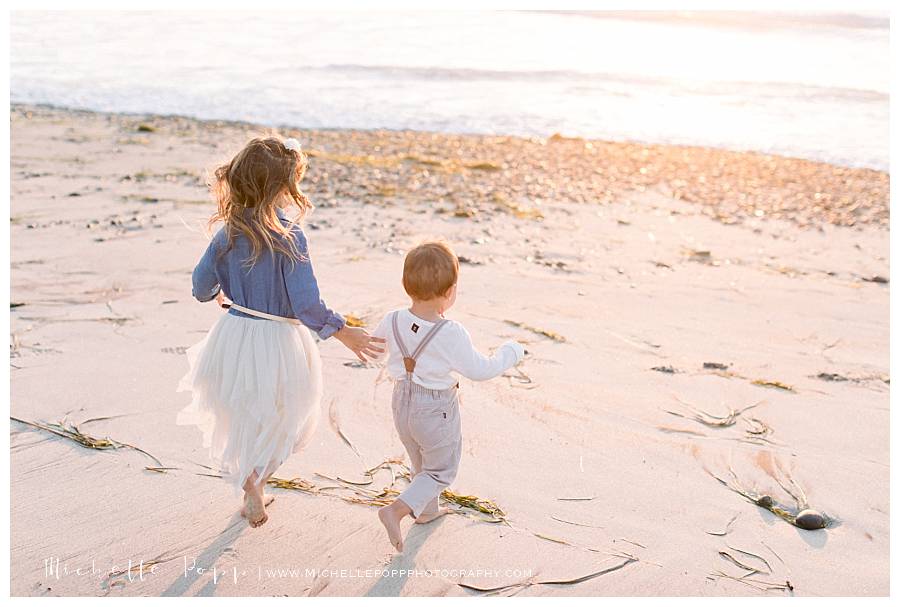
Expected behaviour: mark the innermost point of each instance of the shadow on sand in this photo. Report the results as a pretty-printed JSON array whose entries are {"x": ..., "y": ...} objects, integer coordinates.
[
  {"x": 207, "y": 559},
  {"x": 392, "y": 585}
]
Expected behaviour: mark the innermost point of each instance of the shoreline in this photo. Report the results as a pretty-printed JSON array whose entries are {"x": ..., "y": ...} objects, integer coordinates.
[
  {"x": 730, "y": 186},
  {"x": 534, "y": 138}
]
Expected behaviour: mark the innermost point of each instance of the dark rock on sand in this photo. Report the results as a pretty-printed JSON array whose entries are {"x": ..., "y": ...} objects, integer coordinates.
[{"x": 810, "y": 519}]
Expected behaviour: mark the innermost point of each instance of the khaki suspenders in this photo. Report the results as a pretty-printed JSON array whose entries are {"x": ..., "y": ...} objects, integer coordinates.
[{"x": 409, "y": 362}]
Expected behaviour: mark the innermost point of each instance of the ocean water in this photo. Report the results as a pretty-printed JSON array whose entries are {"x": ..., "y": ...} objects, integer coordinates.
[{"x": 808, "y": 85}]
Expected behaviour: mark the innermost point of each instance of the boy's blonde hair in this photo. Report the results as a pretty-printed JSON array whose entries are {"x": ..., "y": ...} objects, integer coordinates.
[{"x": 429, "y": 270}]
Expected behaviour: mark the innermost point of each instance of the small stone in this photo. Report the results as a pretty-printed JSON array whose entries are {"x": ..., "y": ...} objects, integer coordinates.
[
  {"x": 810, "y": 519},
  {"x": 713, "y": 365},
  {"x": 764, "y": 500},
  {"x": 469, "y": 260},
  {"x": 665, "y": 369},
  {"x": 832, "y": 377}
]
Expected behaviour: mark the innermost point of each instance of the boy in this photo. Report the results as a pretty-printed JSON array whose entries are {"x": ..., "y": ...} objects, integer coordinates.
[{"x": 423, "y": 350}]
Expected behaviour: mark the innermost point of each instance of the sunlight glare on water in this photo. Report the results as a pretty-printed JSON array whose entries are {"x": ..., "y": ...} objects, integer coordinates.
[{"x": 810, "y": 87}]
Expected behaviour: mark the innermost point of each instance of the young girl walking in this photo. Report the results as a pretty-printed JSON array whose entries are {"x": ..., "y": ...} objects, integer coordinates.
[{"x": 255, "y": 377}]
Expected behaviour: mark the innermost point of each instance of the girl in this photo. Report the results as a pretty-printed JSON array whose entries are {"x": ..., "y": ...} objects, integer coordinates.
[{"x": 256, "y": 376}]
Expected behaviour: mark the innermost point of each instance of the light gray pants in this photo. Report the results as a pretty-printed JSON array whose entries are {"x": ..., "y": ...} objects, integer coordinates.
[{"x": 428, "y": 425}]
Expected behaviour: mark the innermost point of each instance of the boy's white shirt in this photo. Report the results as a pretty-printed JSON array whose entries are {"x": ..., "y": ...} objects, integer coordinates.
[{"x": 450, "y": 351}]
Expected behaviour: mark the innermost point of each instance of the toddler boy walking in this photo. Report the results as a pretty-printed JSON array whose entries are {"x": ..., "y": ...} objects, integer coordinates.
[{"x": 424, "y": 351}]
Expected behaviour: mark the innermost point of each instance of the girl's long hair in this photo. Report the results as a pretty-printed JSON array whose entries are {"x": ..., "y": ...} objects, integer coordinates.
[{"x": 256, "y": 178}]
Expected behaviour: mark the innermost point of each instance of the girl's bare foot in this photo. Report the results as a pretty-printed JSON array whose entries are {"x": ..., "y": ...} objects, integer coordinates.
[
  {"x": 268, "y": 499},
  {"x": 427, "y": 517},
  {"x": 390, "y": 516},
  {"x": 256, "y": 508}
]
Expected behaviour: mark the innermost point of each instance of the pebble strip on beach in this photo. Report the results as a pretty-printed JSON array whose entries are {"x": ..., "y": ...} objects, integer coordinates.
[{"x": 471, "y": 174}]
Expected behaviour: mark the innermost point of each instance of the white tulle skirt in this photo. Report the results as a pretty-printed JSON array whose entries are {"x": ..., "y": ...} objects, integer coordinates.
[{"x": 257, "y": 392}]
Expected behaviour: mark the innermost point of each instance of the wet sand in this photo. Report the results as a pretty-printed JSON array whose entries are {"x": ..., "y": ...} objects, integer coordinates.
[{"x": 648, "y": 283}]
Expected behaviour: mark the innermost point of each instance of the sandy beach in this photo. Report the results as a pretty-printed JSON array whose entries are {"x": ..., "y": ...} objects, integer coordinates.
[{"x": 689, "y": 314}]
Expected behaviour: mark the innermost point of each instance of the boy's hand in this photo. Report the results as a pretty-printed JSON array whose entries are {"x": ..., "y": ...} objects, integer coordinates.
[{"x": 360, "y": 342}]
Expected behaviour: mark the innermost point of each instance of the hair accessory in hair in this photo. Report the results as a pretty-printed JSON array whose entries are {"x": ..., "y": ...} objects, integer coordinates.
[{"x": 292, "y": 144}]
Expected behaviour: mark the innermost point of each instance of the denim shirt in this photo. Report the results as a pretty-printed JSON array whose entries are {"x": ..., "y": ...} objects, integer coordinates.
[{"x": 271, "y": 285}]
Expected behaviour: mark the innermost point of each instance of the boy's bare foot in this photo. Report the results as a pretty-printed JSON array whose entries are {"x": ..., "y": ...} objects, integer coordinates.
[
  {"x": 268, "y": 500},
  {"x": 427, "y": 517},
  {"x": 390, "y": 516},
  {"x": 256, "y": 509}
]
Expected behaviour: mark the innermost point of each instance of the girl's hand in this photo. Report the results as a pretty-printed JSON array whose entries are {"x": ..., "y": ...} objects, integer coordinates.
[
  {"x": 220, "y": 299},
  {"x": 360, "y": 342}
]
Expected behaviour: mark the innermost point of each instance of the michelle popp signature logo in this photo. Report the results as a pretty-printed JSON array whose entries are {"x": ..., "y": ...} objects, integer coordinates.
[
  {"x": 136, "y": 571},
  {"x": 54, "y": 568}
]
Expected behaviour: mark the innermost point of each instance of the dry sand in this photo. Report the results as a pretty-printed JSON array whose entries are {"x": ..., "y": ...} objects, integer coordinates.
[{"x": 106, "y": 226}]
